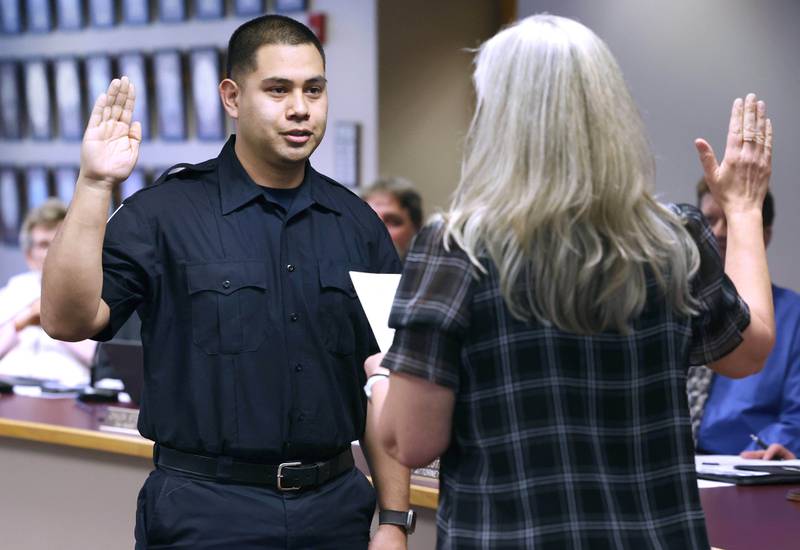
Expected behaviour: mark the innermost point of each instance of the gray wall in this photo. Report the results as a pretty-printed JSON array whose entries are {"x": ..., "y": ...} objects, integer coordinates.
[{"x": 685, "y": 61}]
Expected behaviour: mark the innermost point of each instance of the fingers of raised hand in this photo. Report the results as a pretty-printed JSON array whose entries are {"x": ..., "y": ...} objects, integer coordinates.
[
  {"x": 749, "y": 128},
  {"x": 735, "y": 125},
  {"x": 97, "y": 111},
  {"x": 127, "y": 109},
  {"x": 768, "y": 140}
]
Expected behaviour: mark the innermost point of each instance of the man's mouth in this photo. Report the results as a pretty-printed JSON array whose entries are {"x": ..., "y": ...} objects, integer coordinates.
[{"x": 298, "y": 137}]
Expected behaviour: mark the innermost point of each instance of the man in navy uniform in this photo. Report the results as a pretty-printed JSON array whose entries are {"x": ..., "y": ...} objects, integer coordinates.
[{"x": 253, "y": 337}]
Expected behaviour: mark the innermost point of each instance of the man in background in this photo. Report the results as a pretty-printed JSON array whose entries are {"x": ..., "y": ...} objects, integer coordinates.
[
  {"x": 25, "y": 349},
  {"x": 725, "y": 412},
  {"x": 399, "y": 206}
]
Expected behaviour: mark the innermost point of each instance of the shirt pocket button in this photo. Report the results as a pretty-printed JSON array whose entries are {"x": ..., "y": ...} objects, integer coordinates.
[{"x": 226, "y": 284}]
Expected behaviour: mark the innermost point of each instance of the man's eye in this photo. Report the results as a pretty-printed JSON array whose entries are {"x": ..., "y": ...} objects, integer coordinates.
[
  {"x": 277, "y": 90},
  {"x": 314, "y": 90}
]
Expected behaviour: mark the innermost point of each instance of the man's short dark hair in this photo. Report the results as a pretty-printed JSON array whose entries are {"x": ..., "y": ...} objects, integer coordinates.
[
  {"x": 261, "y": 31},
  {"x": 405, "y": 194},
  {"x": 767, "y": 210}
]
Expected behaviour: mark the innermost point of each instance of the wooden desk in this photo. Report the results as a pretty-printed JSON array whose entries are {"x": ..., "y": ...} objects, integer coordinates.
[
  {"x": 738, "y": 518},
  {"x": 65, "y": 484},
  {"x": 752, "y": 518}
]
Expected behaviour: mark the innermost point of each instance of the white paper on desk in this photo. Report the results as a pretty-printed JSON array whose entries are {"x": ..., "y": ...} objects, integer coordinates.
[
  {"x": 726, "y": 465},
  {"x": 376, "y": 292}
]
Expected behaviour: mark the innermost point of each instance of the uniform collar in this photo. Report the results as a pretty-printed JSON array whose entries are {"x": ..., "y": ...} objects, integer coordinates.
[{"x": 237, "y": 188}]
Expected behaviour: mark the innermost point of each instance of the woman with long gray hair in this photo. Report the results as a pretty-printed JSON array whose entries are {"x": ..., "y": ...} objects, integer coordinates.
[{"x": 546, "y": 321}]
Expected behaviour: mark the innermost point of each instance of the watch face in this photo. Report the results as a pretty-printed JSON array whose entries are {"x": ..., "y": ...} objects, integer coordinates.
[{"x": 411, "y": 522}]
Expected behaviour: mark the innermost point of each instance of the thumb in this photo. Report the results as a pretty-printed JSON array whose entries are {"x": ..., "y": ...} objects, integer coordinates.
[{"x": 707, "y": 158}]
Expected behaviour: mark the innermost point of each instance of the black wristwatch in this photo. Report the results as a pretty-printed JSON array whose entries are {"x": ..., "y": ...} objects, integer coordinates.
[{"x": 405, "y": 520}]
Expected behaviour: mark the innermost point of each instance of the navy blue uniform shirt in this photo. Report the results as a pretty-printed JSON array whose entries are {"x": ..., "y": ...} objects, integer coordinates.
[{"x": 254, "y": 340}]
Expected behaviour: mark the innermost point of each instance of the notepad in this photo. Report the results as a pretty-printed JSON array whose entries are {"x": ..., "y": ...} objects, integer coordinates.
[{"x": 741, "y": 471}]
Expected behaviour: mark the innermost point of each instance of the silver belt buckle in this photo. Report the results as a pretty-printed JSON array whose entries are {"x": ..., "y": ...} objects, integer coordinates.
[{"x": 280, "y": 476}]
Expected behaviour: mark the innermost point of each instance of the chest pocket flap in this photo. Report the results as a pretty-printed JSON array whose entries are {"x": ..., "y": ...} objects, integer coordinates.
[{"x": 229, "y": 305}]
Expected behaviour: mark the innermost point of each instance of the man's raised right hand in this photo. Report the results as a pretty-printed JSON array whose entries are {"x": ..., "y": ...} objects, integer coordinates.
[{"x": 111, "y": 142}]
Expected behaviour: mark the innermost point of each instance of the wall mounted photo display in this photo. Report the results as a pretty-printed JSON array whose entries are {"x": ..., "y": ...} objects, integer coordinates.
[
  {"x": 209, "y": 9},
  {"x": 290, "y": 6},
  {"x": 204, "y": 68},
  {"x": 70, "y": 14},
  {"x": 37, "y": 186},
  {"x": 10, "y": 218},
  {"x": 172, "y": 11},
  {"x": 132, "y": 65},
  {"x": 169, "y": 95},
  {"x": 347, "y": 153},
  {"x": 134, "y": 183},
  {"x": 65, "y": 178},
  {"x": 98, "y": 77},
  {"x": 102, "y": 13},
  {"x": 10, "y": 16},
  {"x": 10, "y": 104},
  {"x": 135, "y": 12},
  {"x": 68, "y": 98},
  {"x": 40, "y": 19},
  {"x": 249, "y": 7},
  {"x": 37, "y": 99}
]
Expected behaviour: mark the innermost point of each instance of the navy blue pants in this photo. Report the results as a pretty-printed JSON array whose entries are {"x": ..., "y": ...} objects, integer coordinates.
[{"x": 178, "y": 511}]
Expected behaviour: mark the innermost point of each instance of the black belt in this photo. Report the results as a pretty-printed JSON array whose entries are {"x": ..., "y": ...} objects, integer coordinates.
[{"x": 288, "y": 476}]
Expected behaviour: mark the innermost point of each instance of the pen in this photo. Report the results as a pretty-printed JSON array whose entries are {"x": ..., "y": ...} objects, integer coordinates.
[{"x": 758, "y": 441}]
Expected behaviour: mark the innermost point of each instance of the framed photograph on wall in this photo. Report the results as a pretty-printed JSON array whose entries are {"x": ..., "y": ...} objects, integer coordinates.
[
  {"x": 167, "y": 69},
  {"x": 98, "y": 77},
  {"x": 70, "y": 14},
  {"x": 10, "y": 205},
  {"x": 249, "y": 7},
  {"x": 135, "y": 12},
  {"x": 64, "y": 178},
  {"x": 68, "y": 98},
  {"x": 290, "y": 6},
  {"x": 134, "y": 183},
  {"x": 204, "y": 67},
  {"x": 133, "y": 65},
  {"x": 10, "y": 16},
  {"x": 347, "y": 153},
  {"x": 37, "y": 186},
  {"x": 37, "y": 99},
  {"x": 172, "y": 11},
  {"x": 40, "y": 19},
  {"x": 209, "y": 9},
  {"x": 10, "y": 104},
  {"x": 102, "y": 13}
]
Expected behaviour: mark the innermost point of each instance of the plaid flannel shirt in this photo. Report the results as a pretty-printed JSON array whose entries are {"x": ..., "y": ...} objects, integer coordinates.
[{"x": 562, "y": 440}]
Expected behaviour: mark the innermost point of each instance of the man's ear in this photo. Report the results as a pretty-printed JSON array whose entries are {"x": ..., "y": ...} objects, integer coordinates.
[{"x": 229, "y": 92}]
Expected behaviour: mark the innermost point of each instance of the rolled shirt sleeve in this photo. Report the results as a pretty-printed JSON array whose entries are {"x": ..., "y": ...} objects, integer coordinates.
[{"x": 431, "y": 310}]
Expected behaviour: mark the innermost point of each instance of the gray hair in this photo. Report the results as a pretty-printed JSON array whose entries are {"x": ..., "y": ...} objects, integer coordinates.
[
  {"x": 51, "y": 213},
  {"x": 556, "y": 184},
  {"x": 403, "y": 191}
]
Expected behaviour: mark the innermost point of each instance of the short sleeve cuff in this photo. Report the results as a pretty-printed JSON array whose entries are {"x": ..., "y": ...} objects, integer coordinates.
[{"x": 426, "y": 353}]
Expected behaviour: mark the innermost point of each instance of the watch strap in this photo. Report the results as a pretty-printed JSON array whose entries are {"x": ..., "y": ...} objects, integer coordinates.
[{"x": 406, "y": 520}]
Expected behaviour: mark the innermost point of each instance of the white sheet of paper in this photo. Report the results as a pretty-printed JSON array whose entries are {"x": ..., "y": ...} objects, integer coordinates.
[{"x": 376, "y": 292}]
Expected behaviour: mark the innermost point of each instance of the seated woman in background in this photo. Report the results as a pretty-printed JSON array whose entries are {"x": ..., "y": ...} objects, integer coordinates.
[
  {"x": 546, "y": 322},
  {"x": 25, "y": 349}
]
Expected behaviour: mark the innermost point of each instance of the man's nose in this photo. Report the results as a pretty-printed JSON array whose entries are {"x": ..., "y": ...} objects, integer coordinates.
[{"x": 298, "y": 109}]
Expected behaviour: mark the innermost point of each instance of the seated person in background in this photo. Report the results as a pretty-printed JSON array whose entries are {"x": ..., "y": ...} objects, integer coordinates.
[
  {"x": 726, "y": 411},
  {"x": 25, "y": 349},
  {"x": 399, "y": 206}
]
